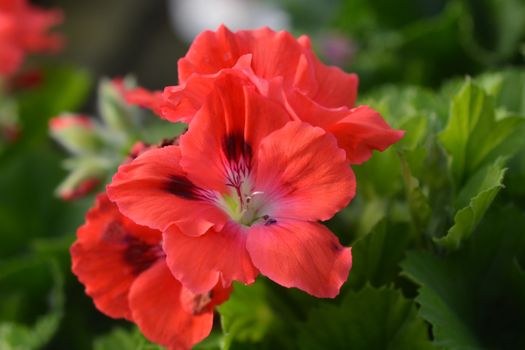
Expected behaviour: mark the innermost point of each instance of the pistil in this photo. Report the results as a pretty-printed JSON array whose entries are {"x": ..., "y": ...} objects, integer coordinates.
[{"x": 242, "y": 204}]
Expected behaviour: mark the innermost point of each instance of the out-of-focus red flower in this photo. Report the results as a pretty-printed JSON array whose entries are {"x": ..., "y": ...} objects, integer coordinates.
[
  {"x": 123, "y": 267},
  {"x": 28, "y": 79},
  {"x": 24, "y": 28},
  {"x": 245, "y": 187},
  {"x": 61, "y": 122},
  {"x": 76, "y": 133},
  {"x": 82, "y": 189},
  {"x": 137, "y": 149},
  {"x": 10, "y": 133},
  {"x": 286, "y": 70}
]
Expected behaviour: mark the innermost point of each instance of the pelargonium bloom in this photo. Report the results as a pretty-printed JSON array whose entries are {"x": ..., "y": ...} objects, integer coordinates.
[
  {"x": 25, "y": 29},
  {"x": 243, "y": 193},
  {"x": 123, "y": 268},
  {"x": 286, "y": 70}
]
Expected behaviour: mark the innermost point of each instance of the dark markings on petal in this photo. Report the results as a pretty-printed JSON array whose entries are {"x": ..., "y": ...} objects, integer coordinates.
[
  {"x": 200, "y": 303},
  {"x": 270, "y": 221},
  {"x": 140, "y": 255},
  {"x": 182, "y": 187},
  {"x": 235, "y": 147},
  {"x": 114, "y": 232},
  {"x": 336, "y": 247}
]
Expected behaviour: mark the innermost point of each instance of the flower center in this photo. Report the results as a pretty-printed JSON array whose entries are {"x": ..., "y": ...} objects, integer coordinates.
[{"x": 242, "y": 203}]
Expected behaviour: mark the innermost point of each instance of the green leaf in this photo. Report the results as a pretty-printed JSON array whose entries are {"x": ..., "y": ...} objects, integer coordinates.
[
  {"x": 117, "y": 339},
  {"x": 443, "y": 302},
  {"x": 15, "y": 335},
  {"x": 254, "y": 315},
  {"x": 157, "y": 129},
  {"x": 420, "y": 210},
  {"x": 215, "y": 341},
  {"x": 493, "y": 29},
  {"x": 399, "y": 104},
  {"x": 474, "y": 200},
  {"x": 28, "y": 208},
  {"x": 63, "y": 90},
  {"x": 377, "y": 255},
  {"x": 473, "y": 136},
  {"x": 475, "y": 297},
  {"x": 508, "y": 89},
  {"x": 116, "y": 113},
  {"x": 123, "y": 339},
  {"x": 368, "y": 319}
]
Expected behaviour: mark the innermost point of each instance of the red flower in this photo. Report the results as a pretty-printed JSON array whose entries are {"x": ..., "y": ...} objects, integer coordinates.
[
  {"x": 82, "y": 189},
  {"x": 123, "y": 268},
  {"x": 24, "y": 29},
  {"x": 286, "y": 70},
  {"x": 243, "y": 193}
]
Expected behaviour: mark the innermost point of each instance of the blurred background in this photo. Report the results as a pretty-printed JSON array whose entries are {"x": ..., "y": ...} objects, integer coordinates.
[
  {"x": 405, "y": 42},
  {"x": 412, "y": 41}
]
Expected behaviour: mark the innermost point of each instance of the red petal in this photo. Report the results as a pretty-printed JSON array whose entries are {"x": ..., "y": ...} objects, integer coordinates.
[
  {"x": 335, "y": 88},
  {"x": 199, "y": 262},
  {"x": 363, "y": 131},
  {"x": 11, "y": 57},
  {"x": 152, "y": 100},
  {"x": 110, "y": 245},
  {"x": 299, "y": 254},
  {"x": 305, "y": 178},
  {"x": 156, "y": 307},
  {"x": 184, "y": 100},
  {"x": 154, "y": 191},
  {"x": 209, "y": 53},
  {"x": 231, "y": 124},
  {"x": 274, "y": 54},
  {"x": 358, "y": 131}
]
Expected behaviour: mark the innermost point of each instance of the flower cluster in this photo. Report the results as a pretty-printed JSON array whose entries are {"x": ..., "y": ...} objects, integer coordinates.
[
  {"x": 24, "y": 29},
  {"x": 266, "y": 158}
]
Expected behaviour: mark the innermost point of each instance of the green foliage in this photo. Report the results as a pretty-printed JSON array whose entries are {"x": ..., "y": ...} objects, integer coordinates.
[
  {"x": 122, "y": 339},
  {"x": 377, "y": 255},
  {"x": 14, "y": 333},
  {"x": 480, "y": 192},
  {"x": 29, "y": 169},
  {"x": 429, "y": 41},
  {"x": 368, "y": 319},
  {"x": 474, "y": 298},
  {"x": 63, "y": 89},
  {"x": 253, "y": 316},
  {"x": 473, "y": 136}
]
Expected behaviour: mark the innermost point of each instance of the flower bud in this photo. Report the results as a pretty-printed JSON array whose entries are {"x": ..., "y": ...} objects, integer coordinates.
[
  {"x": 78, "y": 134},
  {"x": 114, "y": 110},
  {"x": 86, "y": 175}
]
